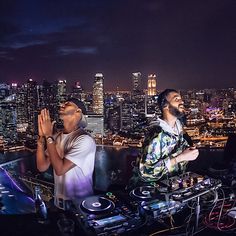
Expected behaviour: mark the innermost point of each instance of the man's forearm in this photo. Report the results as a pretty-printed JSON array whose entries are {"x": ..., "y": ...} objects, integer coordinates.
[
  {"x": 56, "y": 161},
  {"x": 176, "y": 160},
  {"x": 41, "y": 160},
  {"x": 59, "y": 164}
]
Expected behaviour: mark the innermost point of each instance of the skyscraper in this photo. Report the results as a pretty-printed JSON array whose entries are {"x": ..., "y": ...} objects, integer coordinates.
[
  {"x": 4, "y": 90},
  {"x": 61, "y": 91},
  {"x": 77, "y": 91},
  {"x": 31, "y": 105},
  {"x": 7, "y": 114},
  {"x": 136, "y": 80},
  {"x": 21, "y": 100},
  {"x": 98, "y": 94},
  {"x": 8, "y": 118},
  {"x": 152, "y": 85}
]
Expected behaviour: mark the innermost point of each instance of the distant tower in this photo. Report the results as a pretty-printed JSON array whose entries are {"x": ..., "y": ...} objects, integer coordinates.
[
  {"x": 152, "y": 85},
  {"x": 98, "y": 107},
  {"x": 77, "y": 91},
  {"x": 61, "y": 91},
  {"x": 136, "y": 79},
  {"x": 31, "y": 105},
  {"x": 4, "y": 90},
  {"x": 8, "y": 121},
  {"x": 21, "y": 107}
]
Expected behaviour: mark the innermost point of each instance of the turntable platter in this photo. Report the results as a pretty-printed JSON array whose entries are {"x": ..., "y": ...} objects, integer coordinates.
[
  {"x": 97, "y": 204},
  {"x": 144, "y": 193}
]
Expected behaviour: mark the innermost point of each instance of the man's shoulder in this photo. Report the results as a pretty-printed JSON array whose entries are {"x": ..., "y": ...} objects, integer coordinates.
[
  {"x": 154, "y": 131},
  {"x": 85, "y": 138},
  {"x": 84, "y": 143}
]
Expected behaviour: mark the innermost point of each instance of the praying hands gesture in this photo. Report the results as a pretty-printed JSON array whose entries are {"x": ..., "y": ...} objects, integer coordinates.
[{"x": 45, "y": 125}]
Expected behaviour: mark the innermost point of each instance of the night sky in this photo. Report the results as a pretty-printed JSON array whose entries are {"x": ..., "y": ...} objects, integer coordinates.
[{"x": 187, "y": 43}]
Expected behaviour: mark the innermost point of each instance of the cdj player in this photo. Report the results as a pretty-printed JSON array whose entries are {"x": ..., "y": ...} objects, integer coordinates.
[
  {"x": 106, "y": 215},
  {"x": 152, "y": 203}
]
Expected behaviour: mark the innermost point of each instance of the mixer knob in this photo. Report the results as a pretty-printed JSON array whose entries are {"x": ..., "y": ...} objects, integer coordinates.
[
  {"x": 189, "y": 181},
  {"x": 181, "y": 185},
  {"x": 195, "y": 180},
  {"x": 170, "y": 185}
]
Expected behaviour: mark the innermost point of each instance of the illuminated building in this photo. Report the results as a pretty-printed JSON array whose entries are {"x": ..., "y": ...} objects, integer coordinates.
[
  {"x": 61, "y": 91},
  {"x": 13, "y": 88},
  {"x": 136, "y": 80},
  {"x": 151, "y": 106},
  {"x": 8, "y": 117},
  {"x": 114, "y": 119},
  {"x": 77, "y": 92},
  {"x": 98, "y": 95},
  {"x": 88, "y": 101},
  {"x": 95, "y": 125},
  {"x": 31, "y": 106},
  {"x": 47, "y": 98},
  {"x": 21, "y": 108},
  {"x": 127, "y": 115},
  {"x": 4, "y": 91},
  {"x": 152, "y": 85}
]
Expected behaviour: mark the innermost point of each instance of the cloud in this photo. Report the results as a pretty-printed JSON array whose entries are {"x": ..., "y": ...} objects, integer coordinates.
[
  {"x": 18, "y": 45},
  {"x": 63, "y": 51},
  {"x": 4, "y": 55}
]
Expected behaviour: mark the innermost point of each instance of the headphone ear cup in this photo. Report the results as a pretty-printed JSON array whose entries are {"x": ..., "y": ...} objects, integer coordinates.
[
  {"x": 164, "y": 103},
  {"x": 83, "y": 122}
]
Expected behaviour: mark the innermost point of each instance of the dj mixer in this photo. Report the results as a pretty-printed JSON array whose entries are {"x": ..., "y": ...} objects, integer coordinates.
[
  {"x": 118, "y": 213},
  {"x": 189, "y": 186}
]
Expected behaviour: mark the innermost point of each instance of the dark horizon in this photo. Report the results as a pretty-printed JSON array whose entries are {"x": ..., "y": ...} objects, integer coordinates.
[{"x": 188, "y": 44}]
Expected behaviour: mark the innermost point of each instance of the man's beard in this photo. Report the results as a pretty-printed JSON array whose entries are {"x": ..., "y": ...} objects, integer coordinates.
[{"x": 176, "y": 112}]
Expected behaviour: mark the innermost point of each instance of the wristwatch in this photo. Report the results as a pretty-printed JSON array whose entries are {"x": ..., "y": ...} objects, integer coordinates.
[{"x": 50, "y": 139}]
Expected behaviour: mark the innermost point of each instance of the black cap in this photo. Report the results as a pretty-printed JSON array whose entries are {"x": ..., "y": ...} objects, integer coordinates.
[{"x": 79, "y": 104}]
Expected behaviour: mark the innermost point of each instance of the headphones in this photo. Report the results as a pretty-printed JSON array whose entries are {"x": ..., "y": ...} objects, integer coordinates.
[{"x": 162, "y": 101}]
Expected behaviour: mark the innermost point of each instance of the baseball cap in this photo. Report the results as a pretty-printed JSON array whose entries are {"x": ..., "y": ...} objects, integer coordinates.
[{"x": 83, "y": 122}]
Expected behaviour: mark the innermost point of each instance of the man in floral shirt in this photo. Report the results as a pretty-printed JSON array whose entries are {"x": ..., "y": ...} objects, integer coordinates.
[{"x": 165, "y": 151}]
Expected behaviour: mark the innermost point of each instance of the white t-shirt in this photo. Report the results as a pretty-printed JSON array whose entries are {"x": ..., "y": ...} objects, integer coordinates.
[{"x": 78, "y": 181}]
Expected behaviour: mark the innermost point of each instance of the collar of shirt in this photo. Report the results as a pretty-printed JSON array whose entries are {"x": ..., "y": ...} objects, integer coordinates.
[{"x": 176, "y": 130}]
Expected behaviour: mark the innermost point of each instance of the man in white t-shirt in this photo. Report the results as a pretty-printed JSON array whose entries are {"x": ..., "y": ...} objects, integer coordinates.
[{"x": 71, "y": 152}]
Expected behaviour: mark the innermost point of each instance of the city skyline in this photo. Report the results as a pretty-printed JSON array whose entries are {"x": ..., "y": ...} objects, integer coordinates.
[{"x": 188, "y": 44}]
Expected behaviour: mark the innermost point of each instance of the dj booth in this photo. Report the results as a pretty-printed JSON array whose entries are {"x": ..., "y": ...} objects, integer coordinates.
[
  {"x": 146, "y": 207},
  {"x": 194, "y": 203}
]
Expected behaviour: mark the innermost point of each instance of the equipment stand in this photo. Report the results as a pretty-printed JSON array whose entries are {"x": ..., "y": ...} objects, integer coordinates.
[{"x": 197, "y": 212}]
